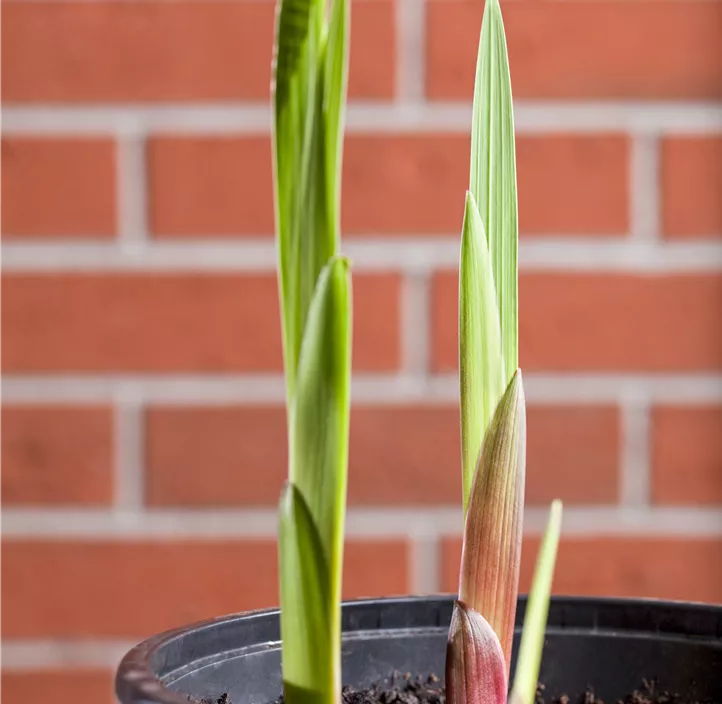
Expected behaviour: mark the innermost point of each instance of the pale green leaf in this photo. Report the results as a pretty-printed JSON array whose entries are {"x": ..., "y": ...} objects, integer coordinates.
[
  {"x": 481, "y": 365},
  {"x": 334, "y": 101},
  {"x": 493, "y": 172},
  {"x": 532, "y": 637},
  {"x": 491, "y": 550},
  {"x": 304, "y": 238},
  {"x": 475, "y": 667},
  {"x": 319, "y": 419},
  {"x": 307, "y": 642}
]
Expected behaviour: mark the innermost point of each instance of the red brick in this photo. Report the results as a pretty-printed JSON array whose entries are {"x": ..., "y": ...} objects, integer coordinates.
[
  {"x": 601, "y": 322},
  {"x": 210, "y": 185},
  {"x": 398, "y": 455},
  {"x": 405, "y": 456},
  {"x": 66, "y": 686},
  {"x": 57, "y": 455},
  {"x": 415, "y": 184},
  {"x": 572, "y": 454},
  {"x": 173, "y": 323},
  {"x": 663, "y": 568},
  {"x": 560, "y": 49},
  {"x": 573, "y": 184},
  {"x": 57, "y": 187},
  {"x": 215, "y": 456},
  {"x": 691, "y": 186},
  {"x": 158, "y": 51},
  {"x": 404, "y": 184},
  {"x": 373, "y": 49},
  {"x": 77, "y": 589},
  {"x": 687, "y": 455}
]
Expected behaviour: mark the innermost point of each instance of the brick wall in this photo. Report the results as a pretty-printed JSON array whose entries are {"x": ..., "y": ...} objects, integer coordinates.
[{"x": 144, "y": 443}]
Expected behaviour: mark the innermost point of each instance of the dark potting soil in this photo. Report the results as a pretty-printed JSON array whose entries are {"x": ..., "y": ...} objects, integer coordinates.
[
  {"x": 648, "y": 693},
  {"x": 405, "y": 689},
  {"x": 223, "y": 699}
]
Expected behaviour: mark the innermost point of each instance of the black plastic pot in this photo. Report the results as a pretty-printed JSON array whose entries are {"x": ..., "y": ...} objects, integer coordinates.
[{"x": 610, "y": 644}]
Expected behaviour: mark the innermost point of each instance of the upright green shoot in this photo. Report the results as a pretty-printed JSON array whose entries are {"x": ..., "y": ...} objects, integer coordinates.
[
  {"x": 313, "y": 504},
  {"x": 493, "y": 173},
  {"x": 481, "y": 364},
  {"x": 309, "y": 95},
  {"x": 488, "y": 307},
  {"x": 493, "y": 417}
]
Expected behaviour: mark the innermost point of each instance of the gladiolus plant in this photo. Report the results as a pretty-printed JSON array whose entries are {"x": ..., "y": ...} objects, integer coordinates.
[
  {"x": 309, "y": 93},
  {"x": 493, "y": 417}
]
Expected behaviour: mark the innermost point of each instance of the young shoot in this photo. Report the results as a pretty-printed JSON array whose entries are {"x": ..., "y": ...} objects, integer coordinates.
[
  {"x": 309, "y": 94},
  {"x": 476, "y": 665},
  {"x": 493, "y": 415},
  {"x": 310, "y": 69}
]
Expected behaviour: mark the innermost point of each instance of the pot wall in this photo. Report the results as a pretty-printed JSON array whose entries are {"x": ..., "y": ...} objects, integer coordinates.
[{"x": 610, "y": 644}]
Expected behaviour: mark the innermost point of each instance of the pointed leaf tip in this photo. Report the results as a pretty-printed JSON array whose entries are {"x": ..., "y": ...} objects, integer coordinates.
[
  {"x": 532, "y": 637},
  {"x": 493, "y": 172},
  {"x": 475, "y": 667},
  {"x": 491, "y": 551},
  {"x": 481, "y": 364}
]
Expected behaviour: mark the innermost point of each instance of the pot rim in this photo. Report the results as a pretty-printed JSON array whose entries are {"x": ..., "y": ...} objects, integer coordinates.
[{"x": 137, "y": 682}]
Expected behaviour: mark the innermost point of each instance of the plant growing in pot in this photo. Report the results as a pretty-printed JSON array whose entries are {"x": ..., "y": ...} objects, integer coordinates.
[
  {"x": 301, "y": 649},
  {"x": 309, "y": 96},
  {"x": 310, "y": 84}
]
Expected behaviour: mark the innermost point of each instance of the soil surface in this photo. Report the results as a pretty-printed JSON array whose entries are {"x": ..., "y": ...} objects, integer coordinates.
[
  {"x": 405, "y": 689},
  {"x": 223, "y": 699},
  {"x": 648, "y": 693},
  {"x": 401, "y": 689}
]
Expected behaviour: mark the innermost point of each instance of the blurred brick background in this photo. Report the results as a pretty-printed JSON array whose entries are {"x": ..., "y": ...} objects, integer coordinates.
[{"x": 143, "y": 420}]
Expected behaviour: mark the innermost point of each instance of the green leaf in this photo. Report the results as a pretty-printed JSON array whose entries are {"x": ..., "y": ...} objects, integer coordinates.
[
  {"x": 319, "y": 425},
  {"x": 307, "y": 641},
  {"x": 334, "y": 100},
  {"x": 491, "y": 550},
  {"x": 493, "y": 171},
  {"x": 532, "y": 637},
  {"x": 314, "y": 502},
  {"x": 320, "y": 410},
  {"x": 475, "y": 667},
  {"x": 309, "y": 93},
  {"x": 481, "y": 365},
  {"x": 305, "y": 238}
]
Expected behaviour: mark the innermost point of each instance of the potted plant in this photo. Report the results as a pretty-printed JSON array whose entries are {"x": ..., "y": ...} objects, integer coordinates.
[{"x": 464, "y": 647}]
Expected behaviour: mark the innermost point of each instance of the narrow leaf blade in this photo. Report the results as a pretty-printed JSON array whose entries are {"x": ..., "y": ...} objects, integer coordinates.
[
  {"x": 306, "y": 639},
  {"x": 475, "y": 667},
  {"x": 319, "y": 420},
  {"x": 318, "y": 457},
  {"x": 491, "y": 551},
  {"x": 493, "y": 171},
  {"x": 334, "y": 101},
  {"x": 304, "y": 239},
  {"x": 532, "y": 637},
  {"x": 481, "y": 364}
]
